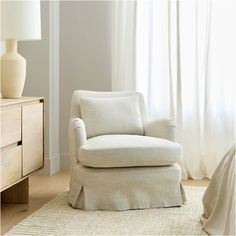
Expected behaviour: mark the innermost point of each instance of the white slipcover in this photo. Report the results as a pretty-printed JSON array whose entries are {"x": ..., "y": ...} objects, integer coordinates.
[
  {"x": 126, "y": 188},
  {"x": 119, "y": 115},
  {"x": 122, "y": 188},
  {"x": 129, "y": 150}
]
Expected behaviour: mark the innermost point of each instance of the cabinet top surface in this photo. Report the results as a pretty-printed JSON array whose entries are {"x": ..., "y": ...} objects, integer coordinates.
[{"x": 12, "y": 101}]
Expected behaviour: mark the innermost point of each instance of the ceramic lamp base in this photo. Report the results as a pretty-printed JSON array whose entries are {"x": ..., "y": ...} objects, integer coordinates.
[{"x": 13, "y": 71}]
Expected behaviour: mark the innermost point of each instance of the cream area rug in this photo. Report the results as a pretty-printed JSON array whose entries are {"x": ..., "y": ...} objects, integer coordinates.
[{"x": 58, "y": 218}]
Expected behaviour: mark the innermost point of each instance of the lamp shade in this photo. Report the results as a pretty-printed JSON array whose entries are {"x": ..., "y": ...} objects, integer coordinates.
[{"x": 20, "y": 20}]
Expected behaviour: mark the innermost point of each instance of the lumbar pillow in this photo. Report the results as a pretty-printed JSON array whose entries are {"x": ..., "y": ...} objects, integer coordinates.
[{"x": 119, "y": 115}]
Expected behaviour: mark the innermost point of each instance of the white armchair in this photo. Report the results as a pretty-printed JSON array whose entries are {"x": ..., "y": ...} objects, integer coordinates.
[
  {"x": 160, "y": 128},
  {"x": 119, "y": 159}
]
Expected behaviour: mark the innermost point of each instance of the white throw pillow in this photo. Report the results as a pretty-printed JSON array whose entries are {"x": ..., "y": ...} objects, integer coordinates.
[{"x": 119, "y": 115}]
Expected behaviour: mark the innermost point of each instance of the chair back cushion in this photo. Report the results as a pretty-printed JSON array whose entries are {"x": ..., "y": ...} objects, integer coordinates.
[
  {"x": 117, "y": 115},
  {"x": 109, "y": 112}
]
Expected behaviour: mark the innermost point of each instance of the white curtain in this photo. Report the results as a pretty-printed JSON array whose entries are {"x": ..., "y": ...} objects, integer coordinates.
[
  {"x": 123, "y": 45},
  {"x": 186, "y": 68}
]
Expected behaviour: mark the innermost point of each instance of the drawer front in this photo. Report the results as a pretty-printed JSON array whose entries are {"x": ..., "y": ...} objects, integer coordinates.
[
  {"x": 10, "y": 166},
  {"x": 32, "y": 137},
  {"x": 10, "y": 126}
]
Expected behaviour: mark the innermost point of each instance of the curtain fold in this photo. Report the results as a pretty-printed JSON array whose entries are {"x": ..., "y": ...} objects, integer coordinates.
[
  {"x": 183, "y": 53},
  {"x": 123, "y": 45},
  {"x": 220, "y": 84}
]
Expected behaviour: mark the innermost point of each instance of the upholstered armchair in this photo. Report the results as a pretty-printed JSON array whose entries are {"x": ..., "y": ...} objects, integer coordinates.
[{"x": 119, "y": 159}]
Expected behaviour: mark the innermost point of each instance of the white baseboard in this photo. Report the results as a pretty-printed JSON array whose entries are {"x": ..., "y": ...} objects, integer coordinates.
[{"x": 51, "y": 166}]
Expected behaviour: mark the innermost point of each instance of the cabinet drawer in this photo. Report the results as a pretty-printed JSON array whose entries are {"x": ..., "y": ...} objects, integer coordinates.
[
  {"x": 10, "y": 164},
  {"x": 32, "y": 137},
  {"x": 10, "y": 126}
]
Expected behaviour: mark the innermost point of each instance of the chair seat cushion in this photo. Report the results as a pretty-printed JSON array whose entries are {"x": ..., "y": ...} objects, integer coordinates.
[{"x": 129, "y": 151}]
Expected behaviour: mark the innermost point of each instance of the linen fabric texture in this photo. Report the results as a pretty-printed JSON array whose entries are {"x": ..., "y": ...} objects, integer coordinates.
[
  {"x": 219, "y": 199},
  {"x": 126, "y": 188},
  {"x": 128, "y": 151},
  {"x": 124, "y": 170},
  {"x": 119, "y": 115}
]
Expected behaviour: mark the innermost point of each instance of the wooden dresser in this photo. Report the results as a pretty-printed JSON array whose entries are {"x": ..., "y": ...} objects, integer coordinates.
[{"x": 22, "y": 145}]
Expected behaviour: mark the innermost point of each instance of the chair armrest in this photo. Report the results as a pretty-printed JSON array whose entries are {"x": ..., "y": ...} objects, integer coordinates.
[
  {"x": 160, "y": 128},
  {"x": 79, "y": 131},
  {"x": 77, "y": 138}
]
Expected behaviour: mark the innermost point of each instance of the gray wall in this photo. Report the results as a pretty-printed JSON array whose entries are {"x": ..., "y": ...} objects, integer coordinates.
[{"x": 85, "y": 55}]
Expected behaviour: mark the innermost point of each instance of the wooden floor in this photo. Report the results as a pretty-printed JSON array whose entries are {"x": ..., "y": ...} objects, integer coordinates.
[{"x": 42, "y": 190}]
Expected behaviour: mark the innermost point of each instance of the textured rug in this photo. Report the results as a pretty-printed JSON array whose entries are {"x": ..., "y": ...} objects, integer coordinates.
[{"x": 58, "y": 218}]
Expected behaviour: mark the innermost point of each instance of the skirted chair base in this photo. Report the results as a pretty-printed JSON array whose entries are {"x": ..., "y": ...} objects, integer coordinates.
[{"x": 126, "y": 188}]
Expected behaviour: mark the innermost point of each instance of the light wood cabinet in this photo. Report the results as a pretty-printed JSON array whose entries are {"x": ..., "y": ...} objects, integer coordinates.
[
  {"x": 32, "y": 137},
  {"x": 22, "y": 144},
  {"x": 10, "y": 166},
  {"x": 10, "y": 126}
]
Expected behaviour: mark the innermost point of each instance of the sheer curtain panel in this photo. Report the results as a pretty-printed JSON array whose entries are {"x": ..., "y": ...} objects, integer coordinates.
[
  {"x": 123, "y": 45},
  {"x": 184, "y": 59}
]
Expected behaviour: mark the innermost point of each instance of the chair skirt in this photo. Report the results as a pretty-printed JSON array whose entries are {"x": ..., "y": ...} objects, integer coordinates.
[{"x": 126, "y": 188}]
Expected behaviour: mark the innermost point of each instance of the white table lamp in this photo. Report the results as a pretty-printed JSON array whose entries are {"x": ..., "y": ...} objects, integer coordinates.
[{"x": 20, "y": 20}]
